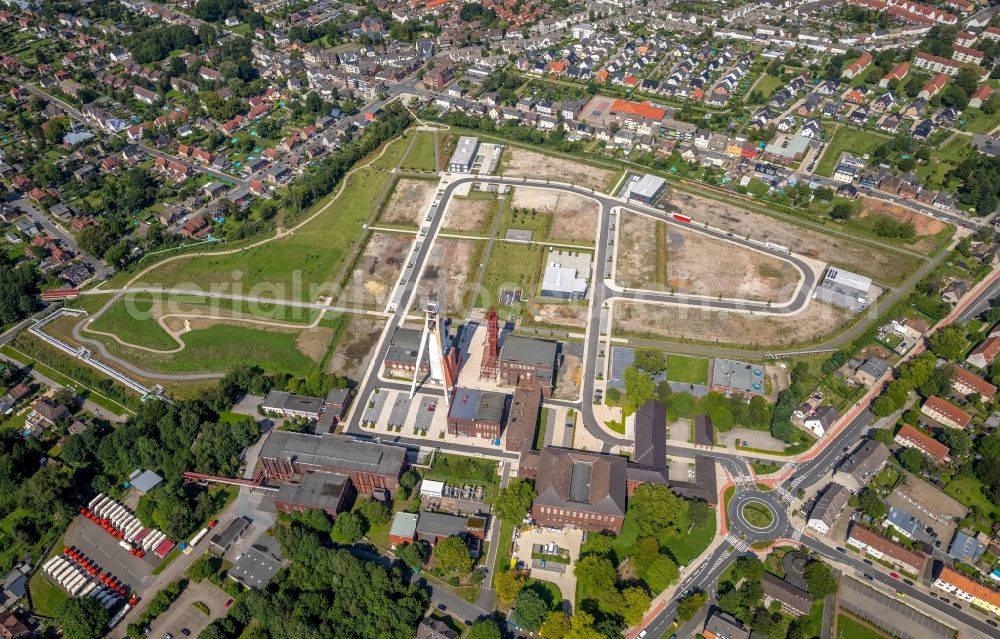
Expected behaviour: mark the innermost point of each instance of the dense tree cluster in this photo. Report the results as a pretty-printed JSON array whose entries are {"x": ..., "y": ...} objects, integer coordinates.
[
  {"x": 153, "y": 45},
  {"x": 18, "y": 286},
  {"x": 218, "y": 10}
]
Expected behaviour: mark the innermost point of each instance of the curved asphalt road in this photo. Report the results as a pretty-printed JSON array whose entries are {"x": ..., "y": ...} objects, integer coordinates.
[{"x": 600, "y": 291}]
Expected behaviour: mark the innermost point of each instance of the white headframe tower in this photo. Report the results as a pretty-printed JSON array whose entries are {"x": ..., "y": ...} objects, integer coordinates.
[{"x": 442, "y": 368}]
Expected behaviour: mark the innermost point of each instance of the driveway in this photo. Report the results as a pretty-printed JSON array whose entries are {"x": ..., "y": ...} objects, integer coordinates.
[{"x": 558, "y": 573}]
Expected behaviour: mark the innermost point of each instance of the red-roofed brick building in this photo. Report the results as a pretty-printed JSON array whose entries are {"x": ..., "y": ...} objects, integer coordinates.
[
  {"x": 968, "y": 383},
  {"x": 912, "y": 438},
  {"x": 944, "y": 412}
]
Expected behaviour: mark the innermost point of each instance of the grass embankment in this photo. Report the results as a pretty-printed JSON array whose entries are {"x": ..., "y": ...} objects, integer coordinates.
[{"x": 421, "y": 155}]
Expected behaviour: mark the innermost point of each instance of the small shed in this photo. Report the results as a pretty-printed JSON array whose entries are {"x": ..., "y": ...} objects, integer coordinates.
[
  {"x": 144, "y": 480},
  {"x": 431, "y": 488}
]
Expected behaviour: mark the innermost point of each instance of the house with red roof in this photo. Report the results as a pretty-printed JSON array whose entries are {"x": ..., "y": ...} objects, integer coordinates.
[
  {"x": 910, "y": 437},
  {"x": 946, "y": 413},
  {"x": 967, "y": 383}
]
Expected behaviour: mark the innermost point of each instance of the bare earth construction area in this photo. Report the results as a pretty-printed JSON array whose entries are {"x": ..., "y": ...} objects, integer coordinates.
[
  {"x": 698, "y": 265},
  {"x": 574, "y": 217},
  {"x": 451, "y": 266},
  {"x": 376, "y": 271},
  {"x": 658, "y": 321},
  {"x": 410, "y": 200},
  {"x": 470, "y": 213},
  {"x": 856, "y": 256},
  {"x": 518, "y": 162}
]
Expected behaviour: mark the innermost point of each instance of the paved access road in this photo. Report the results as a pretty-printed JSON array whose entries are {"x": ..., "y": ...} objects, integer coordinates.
[{"x": 601, "y": 292}]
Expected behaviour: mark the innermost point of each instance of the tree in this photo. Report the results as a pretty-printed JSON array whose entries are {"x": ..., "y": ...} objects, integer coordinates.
[
  {"x": 913, "y": 460},
  {"x": 204, "y": 567},
  {"x": 582, "y": 627},
  {"x": 557, "y": 625},
  {"x": 348, "y": 528},
  {"x": 650, "y": 361},
  {"x": 530, "y": 610},
  {"x": 639, "y": 387},
  {"x": 870, "y": 504},
  {"x": 656, "y": 510},
  {"x": 595, "y": 574},
  {"x": 508, "y": 584},
  {"x": 989, "y": 445},
  {"x": 636, "y": 604},
  {"x": 514, "y": 501},
  {"x": 883, "y": 435},
  {"x": 453, "y": 555},
  {"x": 407, "y": 482},
  {"x": 661, "y": 574},
  {"x": 820, "y": 579},
  {"x": 961, "y": 444},
  {"x": 689, "y": 606},
  {"x": 413, "y": 555},
  {"x": 82, "y": 618},
  {"x": 484, "y": 629},
  {"x": 949, "y": 343},
  {"x": 883, "y": 406}
]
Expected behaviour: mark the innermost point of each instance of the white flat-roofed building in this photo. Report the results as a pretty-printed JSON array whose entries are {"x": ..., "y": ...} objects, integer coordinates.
[
  {"x": 845, "y": 289},
  {"x": 566, "y": 275},
  {"x": 464, "y": 155},
  {"x": 648, "y": 189}
]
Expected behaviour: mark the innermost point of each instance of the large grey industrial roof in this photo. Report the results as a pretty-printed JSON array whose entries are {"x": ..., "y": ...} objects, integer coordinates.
[
  {"x": 525, "y": 350},
  {"x": 441, "y": 524},
  {"x": 316, "y": 490},
  {"x": 472, "y": 404},
  {"x": 648, "y": 185},
  {"x": 847, "y": 280},
  {"x": 258, "y": 565},
  {"x": 560, "y": 479},
  {"x": 334, "y": 451},
  {"x": 748, "y": 378},
  {"x": 281, "y": 400},
  {"x": 465, "y": 150}
]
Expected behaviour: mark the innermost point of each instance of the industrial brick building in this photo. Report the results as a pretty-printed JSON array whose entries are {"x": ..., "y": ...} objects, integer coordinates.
[
  {"x": 523, "y": 359},
  {"x": 522, "y": 419},
  {"x": 329, "y": 492},
  {"x": 581, "y": 489},
  {"x": 475, "y": 413},
  {"x": 401, "y": 358},
  {"x": 288, "y": 456}
]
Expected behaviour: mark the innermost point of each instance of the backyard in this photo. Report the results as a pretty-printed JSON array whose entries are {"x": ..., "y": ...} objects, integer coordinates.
[{"x": 854, "y": 141}]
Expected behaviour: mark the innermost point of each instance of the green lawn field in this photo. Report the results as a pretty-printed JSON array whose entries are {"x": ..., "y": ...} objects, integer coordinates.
[
  {"x": 297, "y": 267},
  {"x": 855, "y": 141},
  {"x": 978, "y": 122},
  {"x": 850, "y": 628},
  {"x": 969, "y": 491},
  {"x": 224, "y": 346},
  {"x": 131, "y": 319},
  {"x": 687, "y": 370},
  {"x": 512, "y": 265},
  {"x": 421, "y": 155}
]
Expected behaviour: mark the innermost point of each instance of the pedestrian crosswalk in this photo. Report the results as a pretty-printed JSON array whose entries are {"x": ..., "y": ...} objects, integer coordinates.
[
  {"x": 783, "y": 494},
  {"x": 796, "y": 534},
  {"x": 737, "y": 543}
]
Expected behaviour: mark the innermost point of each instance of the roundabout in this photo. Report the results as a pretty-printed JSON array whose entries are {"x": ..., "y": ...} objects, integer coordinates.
[{"x": 757, "y": 516}]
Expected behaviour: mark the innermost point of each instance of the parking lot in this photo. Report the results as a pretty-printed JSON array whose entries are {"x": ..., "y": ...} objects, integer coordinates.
[
  {"x": 102, "y": 548},
  {"x": 889, "y": 613},
  {"x": 560, "y": 574},
  {"x": 183, "y": 614}
]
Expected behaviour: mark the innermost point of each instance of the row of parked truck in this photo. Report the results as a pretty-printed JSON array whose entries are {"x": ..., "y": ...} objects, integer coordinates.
[
  {"x": 121, "y": 522},
  {"x": 78, "y": 582}
]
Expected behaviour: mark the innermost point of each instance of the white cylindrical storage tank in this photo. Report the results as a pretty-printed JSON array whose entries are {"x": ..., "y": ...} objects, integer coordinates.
[
  {"x": 111, "y": 603},
  {"x": 53, "y": 560},
  {"x": 89, "y": 588},
  {"x": 96, "y": 592},
  {"x": 96, "y": 500}
]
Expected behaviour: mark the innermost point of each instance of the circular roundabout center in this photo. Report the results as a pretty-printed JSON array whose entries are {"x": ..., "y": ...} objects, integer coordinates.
[{"x": 757, "y": 514}]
